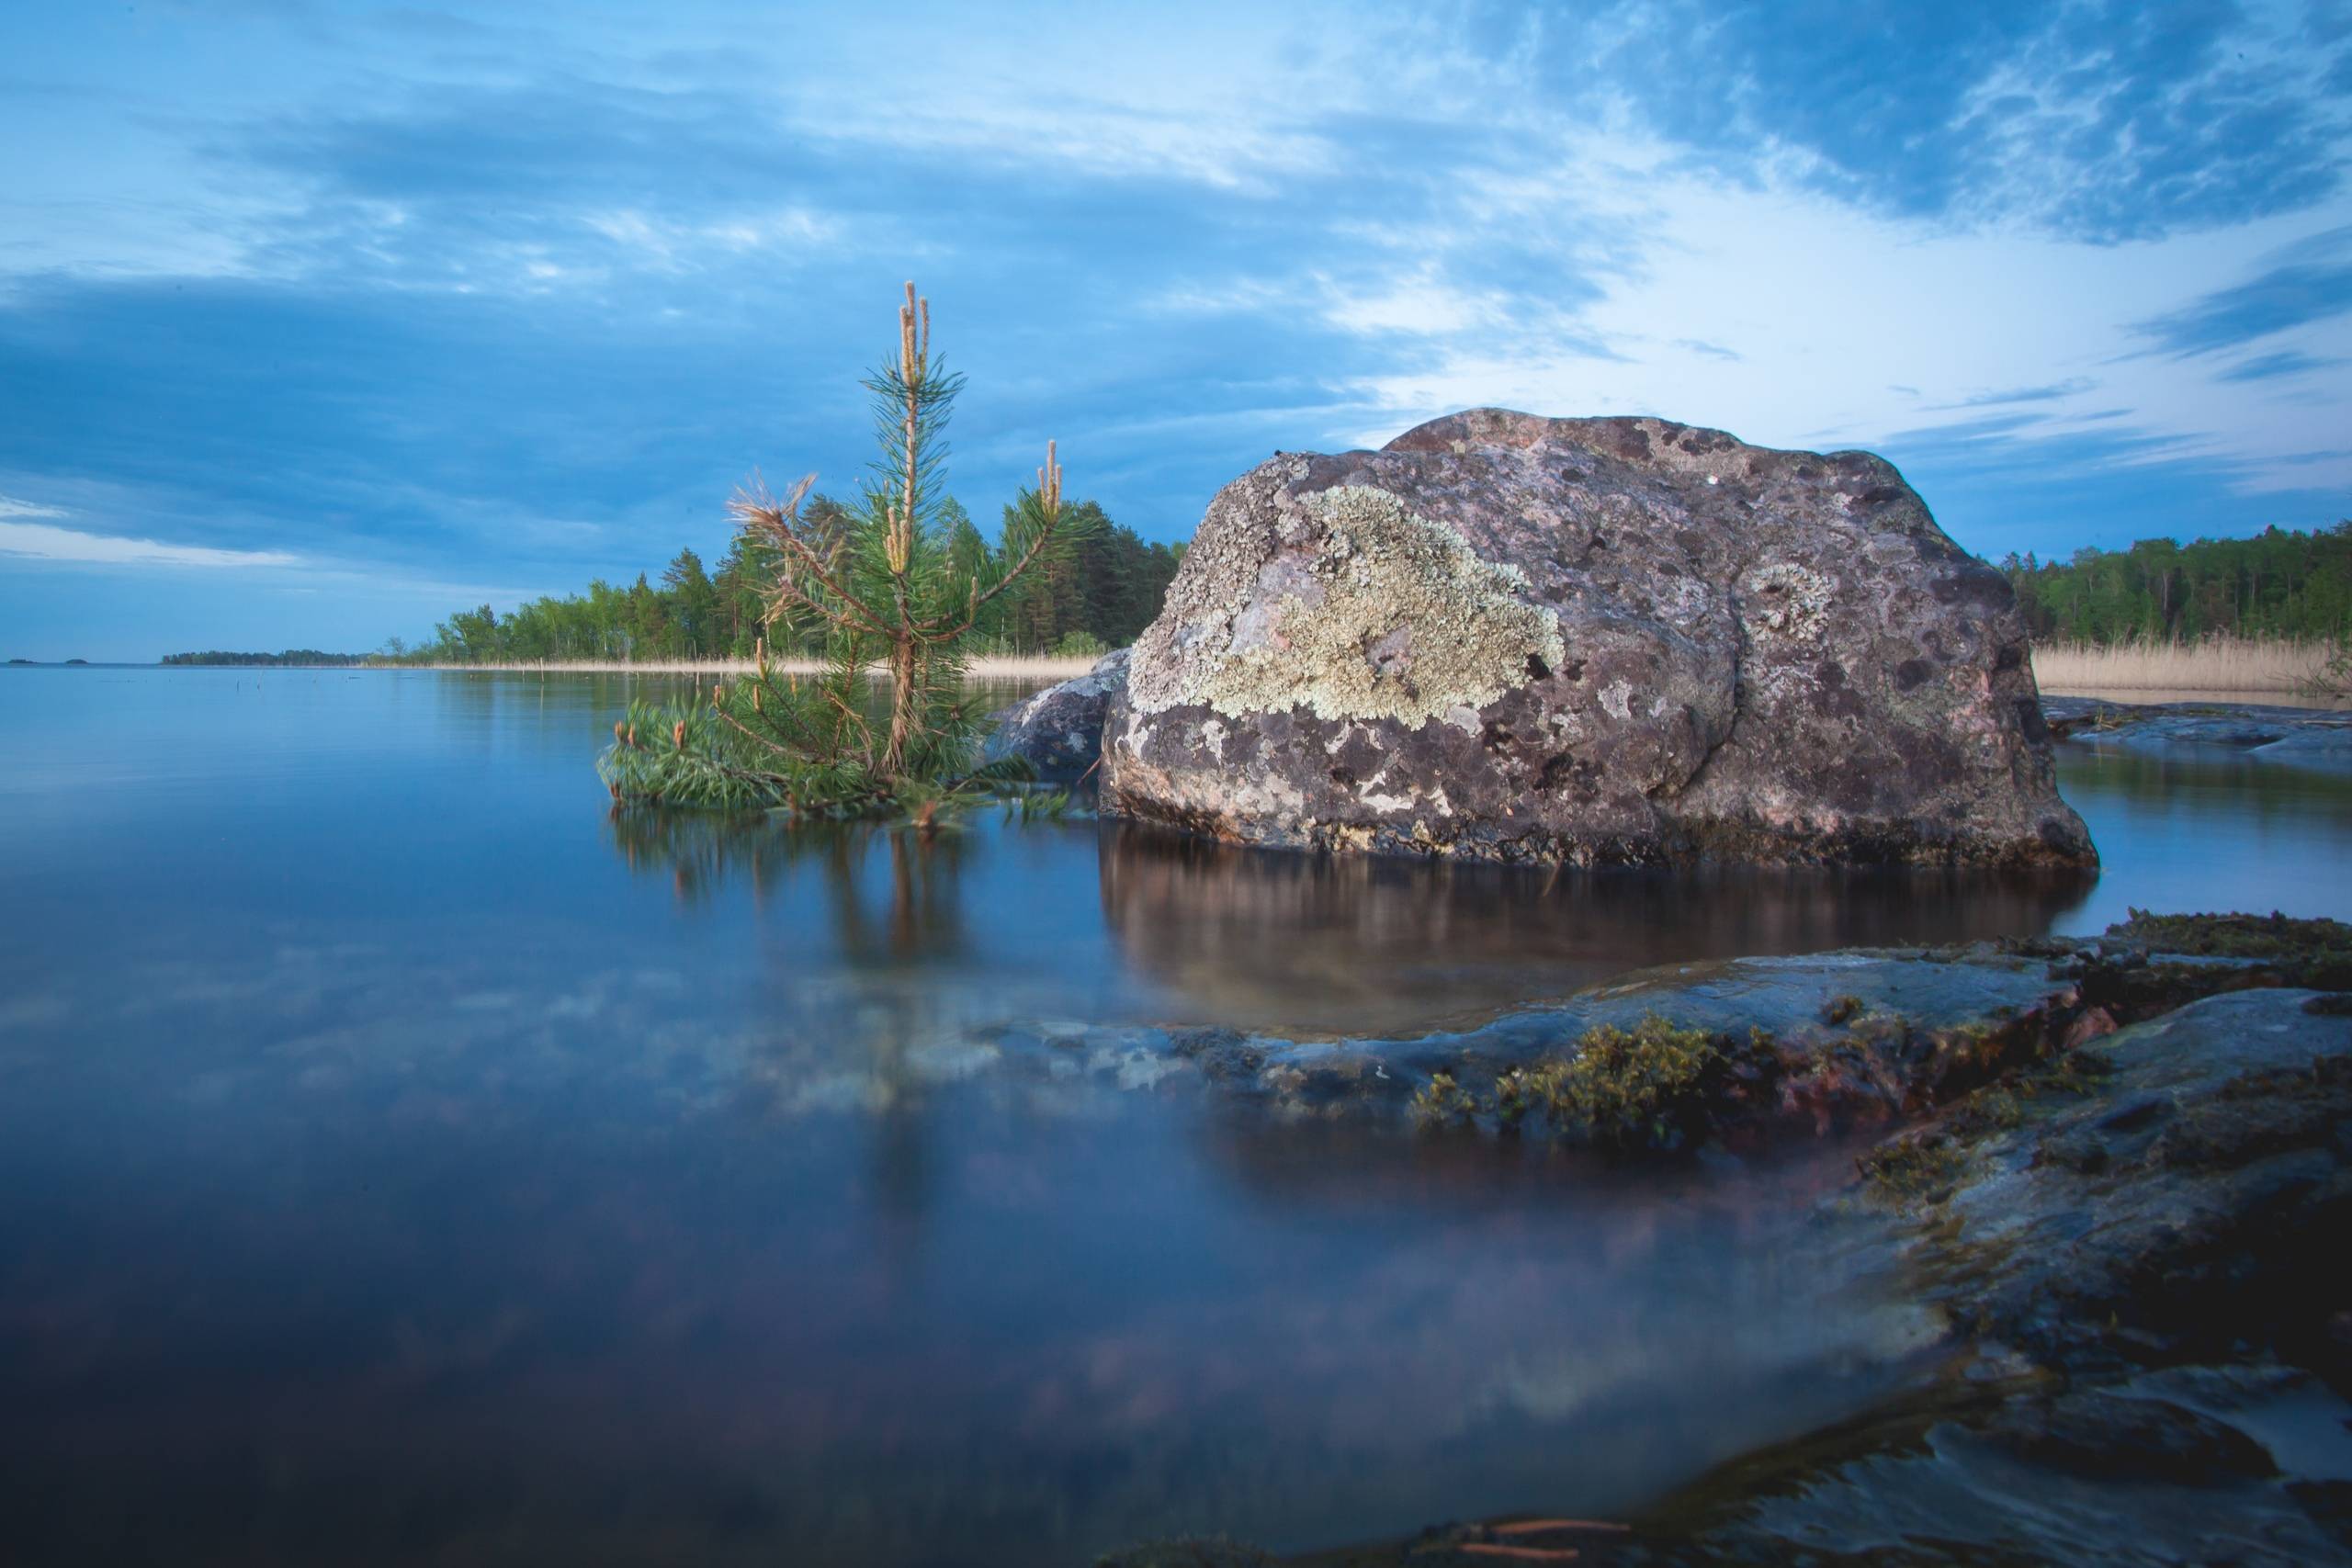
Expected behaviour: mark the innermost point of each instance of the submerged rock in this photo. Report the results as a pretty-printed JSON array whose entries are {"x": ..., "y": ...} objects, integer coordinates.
[
  {"x": 1602, "y": 640},
  {"x": 2311, "y": 737},
  {"x": 2134, "y": 1241},
  {"x": 2093, "y": 1432},
  {"x": 1060, "y": 729},
  {"x": 2174, "y": 1213},
  {"x": 2140, "y": 1253},
  {"x": 1735, "y": 1053}
]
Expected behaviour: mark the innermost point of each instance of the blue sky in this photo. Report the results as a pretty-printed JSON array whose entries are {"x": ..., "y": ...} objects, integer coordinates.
[{"x": 318, "y": 321}]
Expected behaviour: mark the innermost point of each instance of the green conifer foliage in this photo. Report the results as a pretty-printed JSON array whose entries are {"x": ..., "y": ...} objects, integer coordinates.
[{"x": 901, "y": 581}]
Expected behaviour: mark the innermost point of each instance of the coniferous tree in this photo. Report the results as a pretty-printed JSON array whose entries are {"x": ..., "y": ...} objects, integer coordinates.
[
  {"x": 692, "y": 606},
  {"x": 894, "y": 582}
]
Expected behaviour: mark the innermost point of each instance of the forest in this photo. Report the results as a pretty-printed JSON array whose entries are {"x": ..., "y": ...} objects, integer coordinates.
[
  {"x": 2279, "y": 584},
  {"x": 290, "y": 657},
  {"x": 1100, "y": 597}
]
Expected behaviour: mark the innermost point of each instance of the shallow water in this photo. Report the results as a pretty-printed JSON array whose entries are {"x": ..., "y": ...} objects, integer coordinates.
[{"x": 402, "y": 1155}]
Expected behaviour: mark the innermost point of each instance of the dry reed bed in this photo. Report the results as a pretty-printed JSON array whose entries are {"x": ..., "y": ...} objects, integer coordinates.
[
  {"x": 991, "y": 667},
  {"x": 2241, "y": 665},
  {"x": 2213, "y": 664}
]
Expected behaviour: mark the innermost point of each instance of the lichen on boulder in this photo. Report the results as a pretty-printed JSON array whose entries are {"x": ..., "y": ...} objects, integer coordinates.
[
  {"x": 1600, "y": 641},
  {"x": 1383, "y": 616}
]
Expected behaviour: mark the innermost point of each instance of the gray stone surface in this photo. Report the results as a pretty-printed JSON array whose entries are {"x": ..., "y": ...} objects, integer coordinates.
[
  {"x": 2135, "y": 1244},
  {"x": 2148, "y": 1269},
  {"x": 1602, "y": 641},
  {"x": 2143, "y": 1220},
  {"x": 1060, "y": 729},
  {"x": 2312, "y": 738}
]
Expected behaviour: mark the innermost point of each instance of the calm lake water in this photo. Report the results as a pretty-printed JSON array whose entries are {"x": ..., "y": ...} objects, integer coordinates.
[{"x": 403, "y": 1156}]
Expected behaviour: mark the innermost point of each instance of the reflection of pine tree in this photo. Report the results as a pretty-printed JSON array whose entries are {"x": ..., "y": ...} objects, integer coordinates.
[
  {"x": 919, "y": 919},
  {"x": 897, "y": 925}
]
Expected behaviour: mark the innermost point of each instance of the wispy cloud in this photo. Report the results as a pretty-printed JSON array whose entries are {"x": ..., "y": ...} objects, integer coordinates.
[
  {"x": 2052, "y": 392},
  {"x": 46, "y": 541},
  {"x": 2277, "y": 366},
  {"x": 2301, "y": 284}
]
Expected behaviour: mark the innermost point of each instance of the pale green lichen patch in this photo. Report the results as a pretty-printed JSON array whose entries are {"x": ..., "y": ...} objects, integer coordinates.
[
  {"x": 1387, "y": 615},
  {"x": 1787, "y": 601}
]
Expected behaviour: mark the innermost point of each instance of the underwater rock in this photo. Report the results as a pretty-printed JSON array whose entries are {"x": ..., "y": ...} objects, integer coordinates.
[
  {"x": 1060, "y": 729},
  {"x": 1736, "y": 1054},
  {"x": 1600, "y": 641},
  {"x": 2134, "y": 1241},
  {"x": 2141, "y": 1244},
  {"x": 2093, "y": 1432},
  {"x": 2311, "y": 737},
  {"x": 2171, "y": 1213}
]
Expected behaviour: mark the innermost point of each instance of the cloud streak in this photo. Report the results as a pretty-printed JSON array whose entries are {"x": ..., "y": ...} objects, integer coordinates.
[
  {"x": 2302, "y": 284},
  {"x": 48, "y": 542}
]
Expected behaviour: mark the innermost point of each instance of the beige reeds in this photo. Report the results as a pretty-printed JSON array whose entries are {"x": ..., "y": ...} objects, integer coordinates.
[{"x": 2247, "y": 665}]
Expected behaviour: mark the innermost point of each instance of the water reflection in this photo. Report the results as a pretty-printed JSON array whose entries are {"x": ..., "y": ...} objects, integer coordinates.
[
  {"x": 2205, "y": 827},
  {"x": 847, "y": 1032},
  {"x": 1358, "y": 944},
  {"x": 1317, "y": 944},
  {"x": 916, "y": 914}
]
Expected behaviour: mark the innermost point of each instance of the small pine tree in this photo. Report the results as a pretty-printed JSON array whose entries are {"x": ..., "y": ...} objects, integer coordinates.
[{"x": 894, "y": 583}]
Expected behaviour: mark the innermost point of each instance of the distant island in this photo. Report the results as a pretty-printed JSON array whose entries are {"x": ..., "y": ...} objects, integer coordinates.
[{"x": 292, "y": 656}]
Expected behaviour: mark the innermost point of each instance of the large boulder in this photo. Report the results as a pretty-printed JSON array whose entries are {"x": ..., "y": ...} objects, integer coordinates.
[{"x": 1593, "y": 640}]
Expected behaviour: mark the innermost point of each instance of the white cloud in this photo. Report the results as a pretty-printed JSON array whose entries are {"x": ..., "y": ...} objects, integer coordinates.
[
  {"x": 665, "y": 244},
  {"x": 46, "y": 541},
  {"x": 1419, "y": 304},
  {"x": 1830, "y": 310}
]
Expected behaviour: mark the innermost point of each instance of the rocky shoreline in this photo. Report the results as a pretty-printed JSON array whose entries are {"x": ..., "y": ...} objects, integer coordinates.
[
  {"x": 2312, "y": 738},
  {"x": 2124, "y": 1167}
]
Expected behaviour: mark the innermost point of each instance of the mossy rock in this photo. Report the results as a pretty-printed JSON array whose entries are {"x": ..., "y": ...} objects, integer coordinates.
[{"x": 2313, "y": 952}]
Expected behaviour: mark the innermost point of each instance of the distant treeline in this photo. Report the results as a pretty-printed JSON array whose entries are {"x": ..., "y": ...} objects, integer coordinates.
[
  {"x": 291, "y": 656},
  {"x": 2277, "y": 584},
  {"x": 1101, "y": 598}
]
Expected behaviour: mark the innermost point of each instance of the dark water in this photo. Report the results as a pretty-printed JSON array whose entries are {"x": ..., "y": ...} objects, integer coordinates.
[{"x": 401, "y": 1157}]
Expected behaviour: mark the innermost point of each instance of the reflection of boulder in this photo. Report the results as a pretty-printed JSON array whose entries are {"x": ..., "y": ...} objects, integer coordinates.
[
  {"x": 1600, "y": 641},
  {"x": 1322, "y": 944}
]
